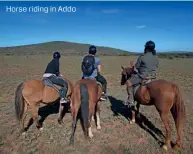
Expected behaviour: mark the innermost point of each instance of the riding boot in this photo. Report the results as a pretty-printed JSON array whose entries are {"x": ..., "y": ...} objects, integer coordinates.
[
  {"x": 130, "y": 96},
  {"x": 103, "y": 97}
]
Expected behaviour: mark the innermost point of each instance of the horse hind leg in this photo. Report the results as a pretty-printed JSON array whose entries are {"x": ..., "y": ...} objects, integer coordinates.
[
  {"x": 90, "y": 134},
  {"x": 74, "y": 121},
  {"x": 60, "y": 114},
  {"x": 22, "y": 123},
  {"x": 165, "y": 119},
  {"x": 132, "y": 121},
  {"x": 137, "y": 110},
  {"x": 178, "y": 123},
  {"x": 91, "y": 116},
  {"x": 35, "y": 108},
  {"x": 98, "y": 116}
]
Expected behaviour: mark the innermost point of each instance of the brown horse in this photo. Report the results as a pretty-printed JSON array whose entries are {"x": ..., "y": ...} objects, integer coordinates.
[
  {"x": 166, "y": 97},
  {"x": 30, "y": 94},
  {"x": 86, "y": 96}
]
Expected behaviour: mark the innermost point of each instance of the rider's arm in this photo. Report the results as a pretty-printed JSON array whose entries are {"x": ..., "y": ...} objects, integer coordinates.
[
  {"x": 138, "y": 63},
  {"x": 99, "y": 68},
  {"x": 98, "y": 65},
  {"x": 57, "y": 65}
]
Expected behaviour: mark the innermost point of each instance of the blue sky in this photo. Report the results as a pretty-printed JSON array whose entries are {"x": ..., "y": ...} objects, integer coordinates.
[{"x": 124, "y": 25}]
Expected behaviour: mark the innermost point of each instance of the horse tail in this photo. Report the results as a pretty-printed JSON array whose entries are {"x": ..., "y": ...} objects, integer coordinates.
[
  {"x": 84, "y": 95},
  {"x": 178, "y": 111},
  {"x": 19, "y": 101}
]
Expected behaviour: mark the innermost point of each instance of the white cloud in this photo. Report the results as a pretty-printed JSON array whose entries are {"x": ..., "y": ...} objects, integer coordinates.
[
  {"x": 111, "y": 11},
  {"x": 141, "y": 26}
]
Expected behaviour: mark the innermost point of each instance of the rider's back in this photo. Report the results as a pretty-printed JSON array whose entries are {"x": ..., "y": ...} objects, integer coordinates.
[
  {"x": 53, "y": 67},
  {"x": 95, "y": 71},
  {"x": 148, "y": 63}
]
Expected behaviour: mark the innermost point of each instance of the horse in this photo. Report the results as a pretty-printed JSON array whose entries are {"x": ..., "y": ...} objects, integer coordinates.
[
  {"x": 31, "y": 94},
  {"x": 85, "y": 100},
  {"x": 165, "y": 96}
]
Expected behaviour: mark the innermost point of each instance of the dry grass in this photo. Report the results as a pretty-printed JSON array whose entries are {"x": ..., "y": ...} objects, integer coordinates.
[{"x": 117, "y": 135}]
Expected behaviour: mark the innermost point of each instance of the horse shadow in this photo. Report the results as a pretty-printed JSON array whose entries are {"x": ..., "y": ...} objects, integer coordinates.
[
  {"x": 118, "y": 108},
  {"x": 48, "y": 110}
]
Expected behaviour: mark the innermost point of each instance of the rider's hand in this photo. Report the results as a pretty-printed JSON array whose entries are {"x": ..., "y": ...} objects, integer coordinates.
[{"x": 135, "y": 70}]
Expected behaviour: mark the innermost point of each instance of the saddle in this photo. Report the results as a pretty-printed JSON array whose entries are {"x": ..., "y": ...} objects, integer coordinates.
[
  {"x": 143, "y": 83},
  {"x": 48, "y": 83}
]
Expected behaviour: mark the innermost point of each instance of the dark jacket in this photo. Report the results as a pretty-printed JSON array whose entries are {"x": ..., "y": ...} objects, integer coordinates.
[
  {"x": 53, "y": 67},
  {"x": 146, "y": 65}
]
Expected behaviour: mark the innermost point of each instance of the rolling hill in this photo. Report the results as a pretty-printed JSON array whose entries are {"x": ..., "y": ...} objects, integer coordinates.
[
  {"x": 74, "y": 49},
  {"x": 66, "y": 48}
]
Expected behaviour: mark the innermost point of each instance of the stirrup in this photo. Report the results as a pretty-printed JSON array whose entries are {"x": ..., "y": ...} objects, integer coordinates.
[
  {"x": 131, "y": 104},
  {"x": 63, "y": 101}
]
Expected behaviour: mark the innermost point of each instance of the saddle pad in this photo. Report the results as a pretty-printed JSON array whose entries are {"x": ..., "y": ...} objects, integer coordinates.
[{"x": 47, "y": 82}]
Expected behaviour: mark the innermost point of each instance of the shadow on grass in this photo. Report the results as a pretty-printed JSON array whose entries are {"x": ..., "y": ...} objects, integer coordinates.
[
  {"x": 118, "y": 108},
  {"x": 47, "y": 110}
]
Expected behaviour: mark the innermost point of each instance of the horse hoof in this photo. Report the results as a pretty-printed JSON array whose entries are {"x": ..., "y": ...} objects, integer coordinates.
[
  {"x": 92, "y": 118},
  {"x": 132, "y": 121},
  {"x": 176, "y": 147},
  {"x": 60, "y": 121},
  {"x": 41, "y": 129},
  {"x": 99, "y": 127},
  {"x": 23, "y": 134},
  {"x": 71, "y": 143},
  {"x": 165, "y": 147},
  {"x": 91, "y": 135}
]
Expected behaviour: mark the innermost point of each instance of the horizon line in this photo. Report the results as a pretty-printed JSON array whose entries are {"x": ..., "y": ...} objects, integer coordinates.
[{"x": 21, "y": 45}]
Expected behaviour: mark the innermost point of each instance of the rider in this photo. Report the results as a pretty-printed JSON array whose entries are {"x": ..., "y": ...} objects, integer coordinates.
[
  {"x": 52, "y": 72},
  {"x": 94, "y": 67},
  {"x": 145, "y": 67}
]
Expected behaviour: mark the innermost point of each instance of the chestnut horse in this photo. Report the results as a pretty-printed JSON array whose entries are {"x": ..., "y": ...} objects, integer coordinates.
[
  {"x": 166, "y": 97},
  {"x": 86, "y": 96},
  {"x": 30, "y": 94}
]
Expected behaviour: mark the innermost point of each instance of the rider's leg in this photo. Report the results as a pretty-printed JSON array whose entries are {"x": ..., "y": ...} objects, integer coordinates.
[
  {"x": 61, "y": 82},
  {"x": 103, "y": 81},
  {"x": 134, "y": 80}
]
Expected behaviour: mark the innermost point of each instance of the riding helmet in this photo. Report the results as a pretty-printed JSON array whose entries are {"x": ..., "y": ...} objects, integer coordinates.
[
  {"x": 150, "y": 45},
  {"x": 56, "y": 55},
  {"x": 92, "y": 49}
]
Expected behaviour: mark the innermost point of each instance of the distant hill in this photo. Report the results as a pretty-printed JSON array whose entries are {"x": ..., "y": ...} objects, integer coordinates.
[
  {"x": 70, "y": 48},
  {"x": 66, "y": 48},
  {"x": 176, "y": 54}
]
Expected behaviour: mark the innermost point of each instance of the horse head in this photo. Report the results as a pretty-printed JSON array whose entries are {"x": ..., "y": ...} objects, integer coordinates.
[{"x": 126, "y": 72}]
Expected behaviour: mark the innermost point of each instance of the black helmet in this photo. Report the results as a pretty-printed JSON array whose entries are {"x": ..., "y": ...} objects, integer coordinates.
[
  {"x": 56, "y": 55},
  {"x": 150, "y": 45},
  {"x": 92, "y": 50}
]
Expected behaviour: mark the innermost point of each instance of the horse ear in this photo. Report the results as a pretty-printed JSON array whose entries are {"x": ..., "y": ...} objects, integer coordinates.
[
  {"x": 122, "y": 67},
  {"x": 132, "y": 63}
]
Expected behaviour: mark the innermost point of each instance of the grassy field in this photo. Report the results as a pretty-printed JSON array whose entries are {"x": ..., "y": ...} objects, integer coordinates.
[{"x": 117, "y": 136}]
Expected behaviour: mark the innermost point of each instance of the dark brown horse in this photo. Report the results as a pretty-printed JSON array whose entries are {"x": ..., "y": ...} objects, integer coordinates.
[
  {"x": 166, "y": 97},
  {"x": 86, "y": 96},
  {"x": 30, "y": 94}
]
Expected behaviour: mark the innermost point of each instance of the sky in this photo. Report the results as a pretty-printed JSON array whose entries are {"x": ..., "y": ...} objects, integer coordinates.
[{"x": 124, "y": 25}]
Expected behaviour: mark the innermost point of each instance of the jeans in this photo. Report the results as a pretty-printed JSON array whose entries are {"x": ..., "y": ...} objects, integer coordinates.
[
  {"x": 61, "y": 82},
  {"x": 103, "y": 81}
]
